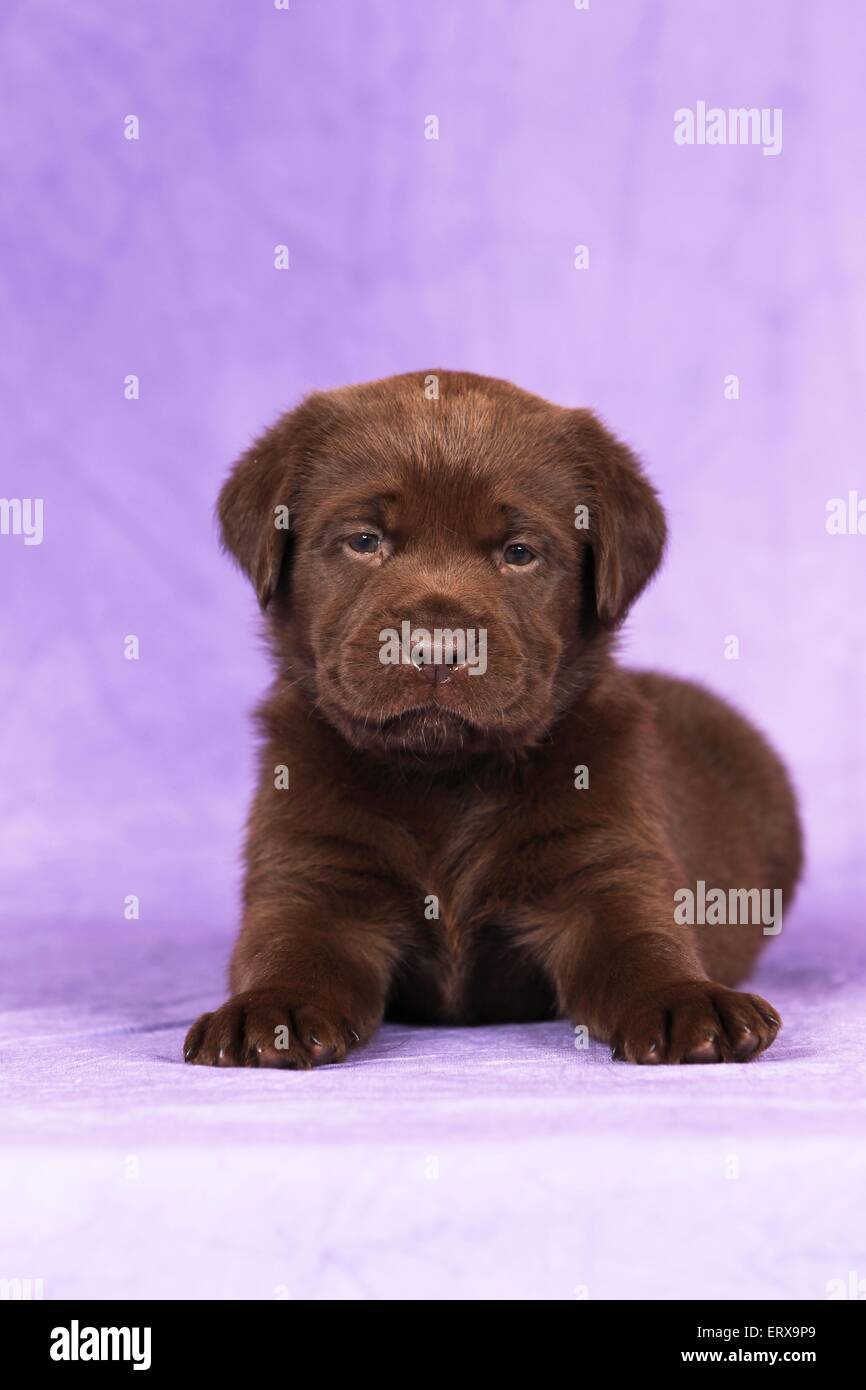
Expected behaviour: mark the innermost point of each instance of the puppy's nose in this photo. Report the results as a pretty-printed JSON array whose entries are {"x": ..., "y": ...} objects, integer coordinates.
[
  {"x": 439, "y": 661},
  {"x": 437, "y": 672}
]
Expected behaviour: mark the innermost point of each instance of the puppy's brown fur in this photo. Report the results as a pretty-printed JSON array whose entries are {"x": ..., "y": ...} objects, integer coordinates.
[{"x": 432, "y": 858}]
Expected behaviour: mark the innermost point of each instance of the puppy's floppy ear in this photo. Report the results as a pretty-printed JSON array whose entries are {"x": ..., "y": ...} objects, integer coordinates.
[
  {"x": 627, "y": 528},
  {"x": 255, "y": 507}
]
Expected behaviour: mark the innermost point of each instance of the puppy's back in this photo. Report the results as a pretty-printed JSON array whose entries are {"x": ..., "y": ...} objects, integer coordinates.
[{"x": 731, "y": 808}]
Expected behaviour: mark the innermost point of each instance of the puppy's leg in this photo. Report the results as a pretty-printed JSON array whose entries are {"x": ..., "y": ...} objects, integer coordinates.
[
  {"x": 622, "y": 968},
  {"x": 305, "y": 992},
  {"x": 646, "y": 995},
  {"x": 644, "y": 992}
]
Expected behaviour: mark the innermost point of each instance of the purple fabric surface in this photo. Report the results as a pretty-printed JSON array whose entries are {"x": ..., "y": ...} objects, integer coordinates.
[
  {"x": 155, "y": 257},
  {"x": 466, "y": 1163}
]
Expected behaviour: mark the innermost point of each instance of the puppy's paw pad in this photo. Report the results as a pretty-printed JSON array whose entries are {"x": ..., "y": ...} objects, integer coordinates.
[
  {"x": 697, "y": 1022},
  {"x": 266, "y": 1029},
  {"x": 706, "y": 1051}
]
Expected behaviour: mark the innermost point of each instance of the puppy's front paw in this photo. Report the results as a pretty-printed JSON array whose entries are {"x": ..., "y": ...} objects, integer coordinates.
[
  {"x": 265, "y": 1028},
  {"x": 696, "y": 1022}
]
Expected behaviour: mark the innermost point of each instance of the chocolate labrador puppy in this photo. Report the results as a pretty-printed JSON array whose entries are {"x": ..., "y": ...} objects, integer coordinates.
[{"x": 467, "y": 811}]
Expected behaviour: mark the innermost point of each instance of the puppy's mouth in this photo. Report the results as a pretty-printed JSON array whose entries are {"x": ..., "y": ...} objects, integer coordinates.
[
  {"x": 430, "y": 709},
  {"x": 426, "y": 719},
  {"x": 427, "y": 728}
]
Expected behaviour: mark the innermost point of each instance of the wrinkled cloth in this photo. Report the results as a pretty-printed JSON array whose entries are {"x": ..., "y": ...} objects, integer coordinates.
[{"x": 435, "y": 1163}]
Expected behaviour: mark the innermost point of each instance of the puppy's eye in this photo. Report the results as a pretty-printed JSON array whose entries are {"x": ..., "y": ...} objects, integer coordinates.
[
  {"x": 364, "y": 543},
  {"x": 518, "y": 555}
]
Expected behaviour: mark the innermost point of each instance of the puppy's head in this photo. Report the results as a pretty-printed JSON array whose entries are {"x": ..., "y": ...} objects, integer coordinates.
[{"x": 443, "y": 557}]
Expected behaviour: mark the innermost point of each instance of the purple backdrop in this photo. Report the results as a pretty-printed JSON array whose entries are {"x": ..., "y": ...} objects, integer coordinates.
[{"x": 155, "y": 257}]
